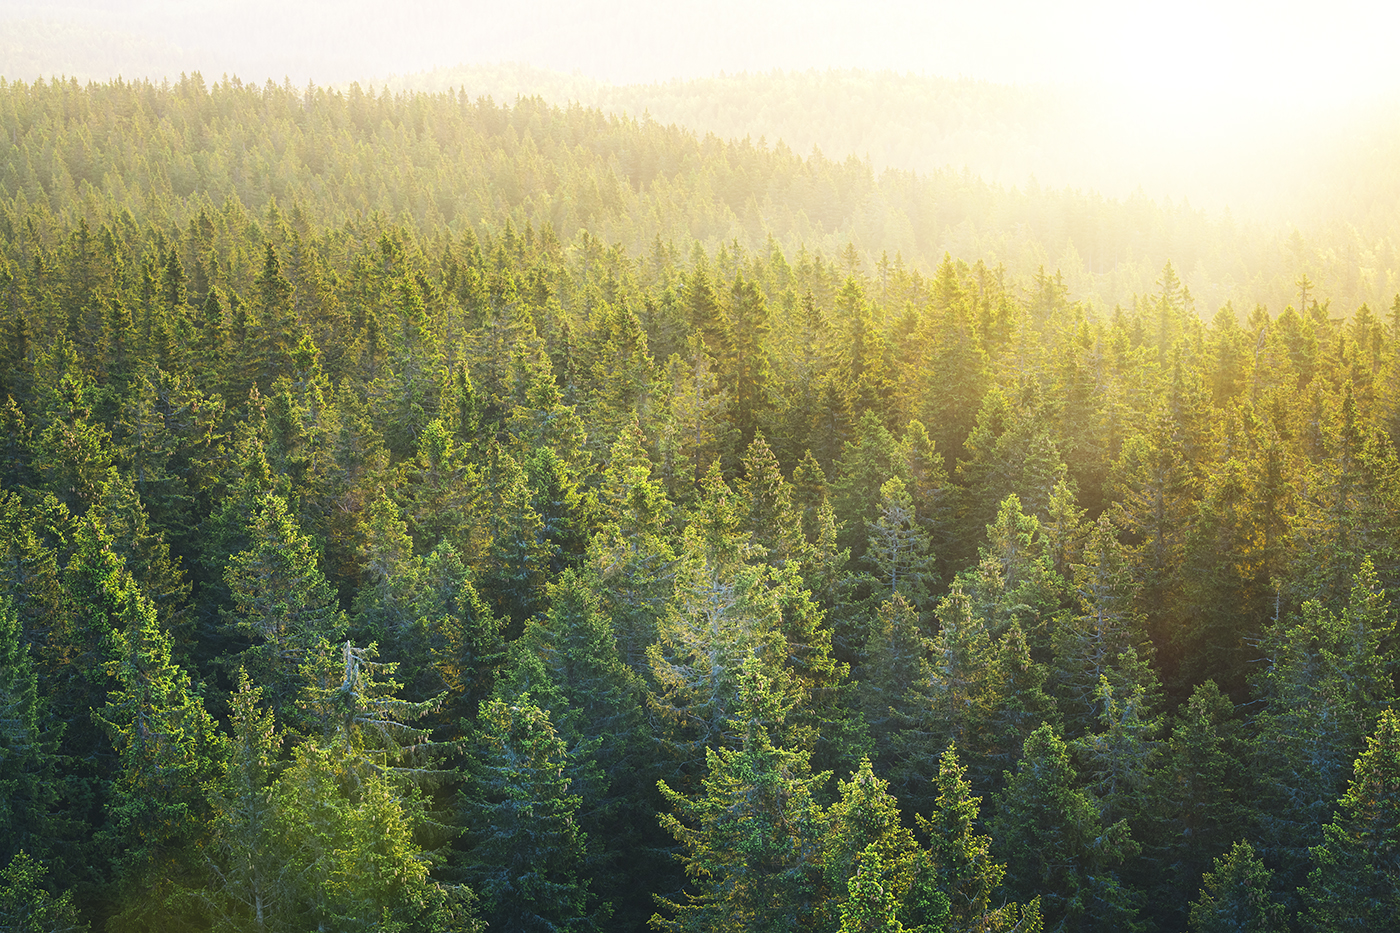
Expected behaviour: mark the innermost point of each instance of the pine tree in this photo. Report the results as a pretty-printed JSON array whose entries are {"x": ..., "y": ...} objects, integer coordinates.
[
  {"x": 1089, "y": 643},
  {"x": 28, "y": 747},
  {"x": 724, "y": 611},
  {"x": 862, "y": 827},
  {"x": 518, "y": 556},
  {"x": 1120, "y": 757},
  {"x": 26, "y": 906},
  {"x": 251, "y": 882},
  {"x": 694, "y": 431},
  {"x": 1198, "y": 796},
  {"x": 1328, "y": 677},
  {"x": 898, "y": 546},
  {"x": 952, "y": 700},
  {"x": 768, "y": 512},
  {"x": 168, "y": 749},
  {"x": 568, "y": 661},
  {"x": 895, "y": 659},
  {"x": 961, "y": 866},
  {"x": 353, "y": 809},
  {"x": 282, "y": 603},
  {"x": 1013, "y": 581},
  {"x": 349, "y": 834},
  {"x": 631, "y": 556},
  {"x": 870, "y": 905},
  {"x": 440, "y": 492},
  {"x": 745, "y": 361}
]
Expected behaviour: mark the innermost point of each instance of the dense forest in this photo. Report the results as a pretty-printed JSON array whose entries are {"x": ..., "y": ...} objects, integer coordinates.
[{"x": 419, "y": 513}]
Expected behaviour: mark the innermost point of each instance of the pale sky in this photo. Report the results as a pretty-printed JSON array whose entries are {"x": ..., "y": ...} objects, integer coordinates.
[
  {"x": 1192, "y": 50},
  {"x": 1224, "y": 103}
]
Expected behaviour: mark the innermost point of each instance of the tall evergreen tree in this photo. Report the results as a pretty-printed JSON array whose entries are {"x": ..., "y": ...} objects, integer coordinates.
[
  {"x": 524, "y": 847},
  {"x": 1328, "y": 678},
  {"x": 1236, "y": 897},
  {"x": 168, "y": 749},
  {"x": 1355, "y": 881},
  {"x": 1056, "y": 844},
  {"x": 750, "y": 836},
  {"x": 282, "y": 603},
  {"x": 28, "y": 747}
]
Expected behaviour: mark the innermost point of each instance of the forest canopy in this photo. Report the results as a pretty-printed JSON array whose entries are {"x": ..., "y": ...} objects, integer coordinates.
[{"x": 419, "y": 512}]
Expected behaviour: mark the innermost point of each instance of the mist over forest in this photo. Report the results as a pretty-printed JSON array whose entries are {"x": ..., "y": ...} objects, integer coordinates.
[{"x": 760, "y": 467}]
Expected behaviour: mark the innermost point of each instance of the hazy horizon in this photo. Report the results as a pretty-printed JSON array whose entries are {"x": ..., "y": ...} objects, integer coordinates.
[{"x": 1241, "y": 106}]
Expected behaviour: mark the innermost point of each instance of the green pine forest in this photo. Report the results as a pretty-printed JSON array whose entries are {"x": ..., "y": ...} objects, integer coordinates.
[{"x": 421, "y": 513}]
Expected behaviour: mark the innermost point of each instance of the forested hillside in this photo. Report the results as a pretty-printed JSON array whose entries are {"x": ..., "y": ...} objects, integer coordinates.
[
  {"x": 1328, "y": 175},
  {"x": 454, "y": 161},
  {"x": 418, "y": 513}
]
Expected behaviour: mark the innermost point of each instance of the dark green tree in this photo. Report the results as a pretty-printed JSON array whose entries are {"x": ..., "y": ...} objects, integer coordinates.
[
  {"x": 168, "y": 749},
  {"x": 1355, "y": 880},
  {"x": 523, "y": 845},
  {"x": 27, "y": 906},
  {"x": 28, "y": 747},
  {"x": 282, "y": 604},
  {"x": 750, "y": 837},
  {"x": 1056, "y": 844},
  {"x": 1237, "y": 897}
]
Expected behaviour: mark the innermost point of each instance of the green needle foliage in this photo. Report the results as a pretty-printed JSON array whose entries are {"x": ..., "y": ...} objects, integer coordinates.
[{"x": 405, "y": 498}]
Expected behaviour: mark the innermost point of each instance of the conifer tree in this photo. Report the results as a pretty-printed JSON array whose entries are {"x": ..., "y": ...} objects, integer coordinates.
[
  {"x": 440, "y": 492},
  {"x": 1198, "y": 796},
  {"x": 251, "y": 882},
  {"x": 1355, "y": 880},
  {"x": 863, "y": 827},
  {"x": 524, "y": 847},
  {"x": 870, "y": 905},
  {"x": 769, "y": 514},
  {"x": 27, "y": 906},
  {"x": 960, "y": 862},
  {"x": 1013, "y": 581},
  {"x": 898, "y": 547},
  {"x": 745, "y": 361},
  {"x": 952, "y": 700},
  {"x": 1327, "y": 679},
  {"x": 724, "y": 611},
  {"x": 350, "y": 836},
  {"x": 168, "y": 748},
  {"x": 694, "y": 431},
  {"x": 518, "y": 556},
  {"x": 632, "y": 558},
  {"x": 568, "y": 661},
  {"x": 1237, "y": 897},
  {"x": 1057, "y": 846},
  {"x": 1089, "y": 642},
  {"x": 28, "y": 747},
  {"x": 895, "y": 659},
  {"x": 749, "y": 837},
  {"x": 282, "y": 603}
]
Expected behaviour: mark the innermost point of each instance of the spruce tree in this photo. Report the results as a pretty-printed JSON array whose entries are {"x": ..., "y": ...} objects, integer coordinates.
[
  {"x": 749, "y": 837},
  {"x": 282, "y": 603},
  {"x": 1237, "y": 896},
  {"x": 28, "y": 747},
  {"x": 26, "y": 904},
  {"x": 523, "y": 845},
  {"x": 168, "y": 749},
  {"x": 1355, "y": 880},
  {"x": 1056, "y": 844}
]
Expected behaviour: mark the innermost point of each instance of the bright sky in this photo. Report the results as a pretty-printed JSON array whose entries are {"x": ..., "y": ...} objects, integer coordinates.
[
  {"x": 1200, "y": 50},
  {"x": 1177, "y": 84}
]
